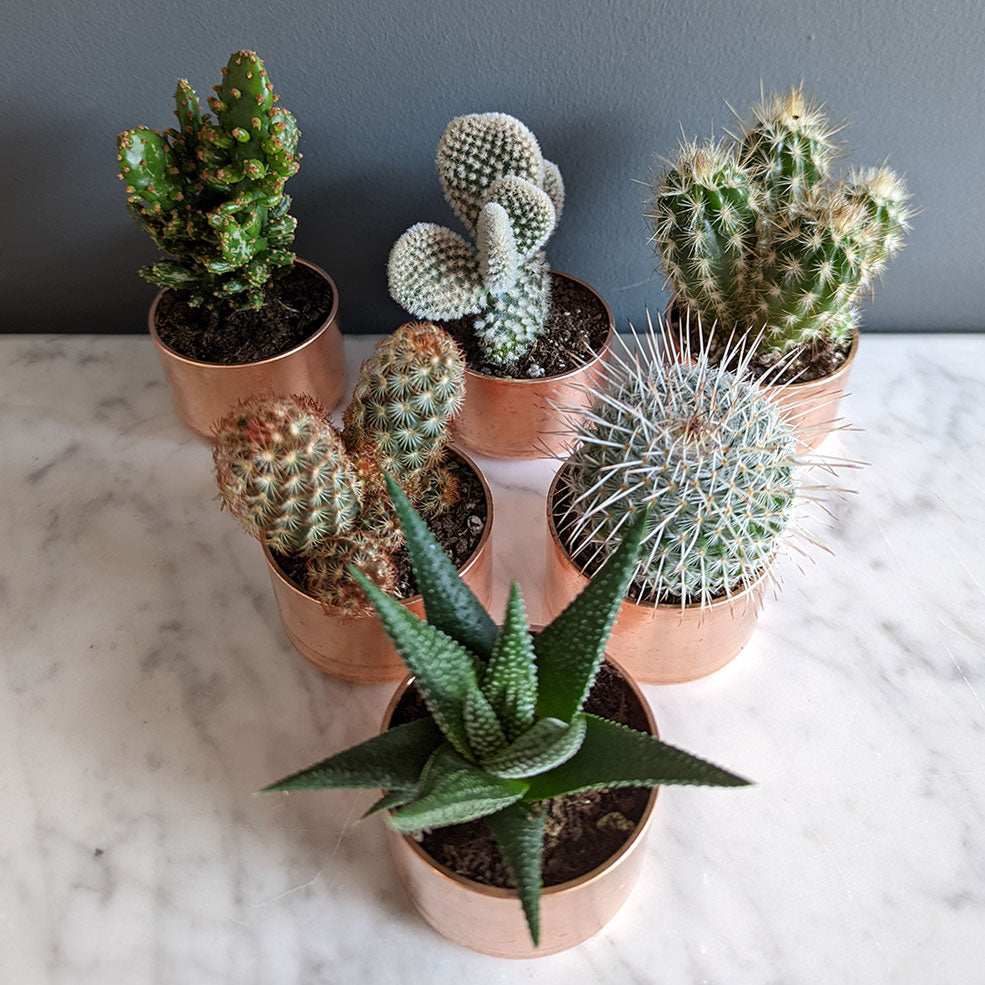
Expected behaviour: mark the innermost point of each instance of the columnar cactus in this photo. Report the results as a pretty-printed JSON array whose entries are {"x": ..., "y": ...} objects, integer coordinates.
[
  {"x": 509, "y": 199},
  {"x": 211, "y": 192},
  {"x": 304, "y": 489},
  {"x": 757, "y": 235},
  {"x": 710, "y": 457}
]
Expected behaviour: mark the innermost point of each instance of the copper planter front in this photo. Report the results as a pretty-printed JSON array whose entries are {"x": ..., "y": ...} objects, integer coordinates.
[
  {"x": 203, "y": 392},
  {"x": 488, "y": 919},
  {"x": 659, "y": 644},
  {"x": 358, "y": 649},
  {"x": 518, "y": 418}
]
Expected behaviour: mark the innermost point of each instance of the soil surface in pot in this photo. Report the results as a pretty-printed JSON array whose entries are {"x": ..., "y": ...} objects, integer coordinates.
[
  {"x": 577, "y": 327},
  {"x": 817, "y": 361},
  {"x": 581, "y": 830},
  {"x": 298, "y": 302},
  {"x": 458, "y": 530}
]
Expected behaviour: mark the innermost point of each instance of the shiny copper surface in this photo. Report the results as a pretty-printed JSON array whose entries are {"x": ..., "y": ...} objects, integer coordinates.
[
  {"x": 506, "y": 418},
  {"x": 488, "y": 919},
  {"x": 358, "y": 649},
  {"x": 204, "y": 392},
  {"x": 662, "y": 644}
]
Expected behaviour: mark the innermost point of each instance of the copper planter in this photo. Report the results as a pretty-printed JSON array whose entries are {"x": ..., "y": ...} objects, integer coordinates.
[
  {"x": 203, "y": 392},
  {"x": 489, "y": 919},
  {"x": 661, "y": 644},
  {"x": 517, "y": 418},
  {"x": 358, "y": 649}
]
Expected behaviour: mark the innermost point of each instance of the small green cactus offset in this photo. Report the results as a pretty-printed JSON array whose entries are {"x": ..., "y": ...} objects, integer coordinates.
[
  {"x": 705, "y": 451},
  {"x": 509, "y": 199},
  {"x": 506, "y": 729},
  {"x": 210, "y": 193},
  {"x": 306, "y": 490},
  {"x": 756, "y": 234}
]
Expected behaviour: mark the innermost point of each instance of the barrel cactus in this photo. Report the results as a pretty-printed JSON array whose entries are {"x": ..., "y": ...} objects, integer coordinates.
[
  {"x": 756, "y": 233},
  {"x": 305, "y": 489},
  {"x": 509, "y": 198},
  {"x": 210, "y": 193}
]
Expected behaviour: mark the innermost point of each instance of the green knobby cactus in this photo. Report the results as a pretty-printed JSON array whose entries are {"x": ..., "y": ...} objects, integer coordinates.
[
  {"x": 758, "y": 235},
  {"x": 506, "y": 729},
  {"x": 304, "y": 489},
  {"x": 211, "y": 192},
  {"x": 700, "y": 447},
  {"x": 509, "y": 199}
]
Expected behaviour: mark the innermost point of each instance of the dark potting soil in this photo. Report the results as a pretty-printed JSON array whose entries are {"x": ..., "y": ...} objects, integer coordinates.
[
  {"x": 580, "y": 830},
  {"x": 297, "y": 303},
  {"x": 577, "y": 327},
  {"x": 458, "y": 531}
]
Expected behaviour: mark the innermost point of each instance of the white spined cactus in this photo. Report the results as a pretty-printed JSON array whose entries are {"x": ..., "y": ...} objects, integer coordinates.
[{"x": 509, "y": 199}]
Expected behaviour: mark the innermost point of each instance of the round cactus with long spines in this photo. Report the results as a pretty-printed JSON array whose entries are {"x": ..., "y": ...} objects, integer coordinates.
[
  {"x": 509, "y": 198},
  {"x": 305, "y": 489},
  {"x": 211, "y": 192},
  {"x": 757, "y": 235}
]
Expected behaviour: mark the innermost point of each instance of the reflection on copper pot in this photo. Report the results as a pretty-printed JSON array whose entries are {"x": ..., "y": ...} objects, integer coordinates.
[
  {"x": 357, "y": 648},
  {"x": 659, "y": 644},
  {"x": 490, "y": 920},
  {"x": 517, "y": 418},
  {"x": 203, "y": 392}
]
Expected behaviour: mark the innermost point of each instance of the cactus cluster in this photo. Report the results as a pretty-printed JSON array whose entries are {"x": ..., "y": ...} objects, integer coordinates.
[
  {"x": 210, "y": 193},
  {"x": 755, "y": 233},
  {"x": 705, "y": 451},
  {"x": 509, "y": 199},
  {"x": 305, "y": 489}
]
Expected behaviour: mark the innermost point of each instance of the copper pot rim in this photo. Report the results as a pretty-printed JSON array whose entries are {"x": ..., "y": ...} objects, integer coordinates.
[
  {"x": 722, "y": 602},
  {"x": 498, "y": 892},
  {"x": 567, "y": 374},
  {"x": 218, "y": 367},
  {"x": 471, "y": 561}
]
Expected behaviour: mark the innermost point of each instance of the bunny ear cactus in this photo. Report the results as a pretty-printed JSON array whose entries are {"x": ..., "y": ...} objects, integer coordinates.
[
  {"x": 509, "y": 199},
  {"x": 211, "y": 193},
  {"x": 506, "y": 729}
]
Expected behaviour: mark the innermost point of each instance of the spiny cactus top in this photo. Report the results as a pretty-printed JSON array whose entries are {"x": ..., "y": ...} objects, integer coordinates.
[
  {"x": 506, "y": 729},
  {"x": 211, "y": 192},
  {"x": 509, "y": 199},
  {"x": 709, "y": 456},
  {"x": 756, "y": 234}
]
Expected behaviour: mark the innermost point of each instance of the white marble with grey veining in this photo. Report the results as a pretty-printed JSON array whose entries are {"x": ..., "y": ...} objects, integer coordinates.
[{"x": 146, "y": 690}]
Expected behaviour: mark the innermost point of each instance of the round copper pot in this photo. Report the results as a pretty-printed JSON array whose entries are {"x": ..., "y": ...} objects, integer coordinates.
[
  {"x": 659, "y": 644},
  {"x": 518, "y": 419},
  {"x": 203, "y": 392},
  {"x": 357, "y": 648},
  {"x": 488, "y": 919}
]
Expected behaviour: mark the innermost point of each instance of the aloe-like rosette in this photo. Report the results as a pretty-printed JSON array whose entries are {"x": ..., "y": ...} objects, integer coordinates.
[{"x": 506, "y": 729}]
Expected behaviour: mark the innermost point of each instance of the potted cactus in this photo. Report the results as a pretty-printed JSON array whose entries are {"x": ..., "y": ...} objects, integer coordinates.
[
  {"x": 529, "y": 333},
  {"x": 238, "y": 314},
  {"x": 716, "y": 463},
  {"x": 315, "y": 499},
  {"x": 497, "y": 731},
  {"x": 758, "y": 235}
]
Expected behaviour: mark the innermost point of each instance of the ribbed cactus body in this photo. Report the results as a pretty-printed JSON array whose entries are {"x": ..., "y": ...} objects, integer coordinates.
[{"x": 710, "y": 456}]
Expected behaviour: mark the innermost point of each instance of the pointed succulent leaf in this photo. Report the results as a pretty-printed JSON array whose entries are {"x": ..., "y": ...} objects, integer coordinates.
[
  {"x": 613, "y": 755},
  {"x": 570, "y": 650},
  {"x": 548, "y": 743},
  {"x": 519, "y": 832},
  {"x": 391, "y": 800},
  {"x": 482, "y": 727},
  {"x": 170, "y": 273},
  {"x": 444, "y": 669},
  {"x": 187, "y": 109},
  {"x": 147, "y": 169},
  {"x": 449, "y": 603},
  {"x": 530, "y": 211},
  {"x": 391, "y": 760},
  {"x": 454, "y": 791},
  {"x": 510, "y": 679},
  {"x": 554, "y": 186},
  {"x": 246, "y": 93},
  {"x": 499, "y": 263}
]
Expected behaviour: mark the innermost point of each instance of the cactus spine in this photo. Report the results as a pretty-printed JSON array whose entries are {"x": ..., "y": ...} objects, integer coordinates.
[
  {"x": 305, "y": 489},
  {"x": 211, "y": 192},
  {"x": 509, "y": 199}
]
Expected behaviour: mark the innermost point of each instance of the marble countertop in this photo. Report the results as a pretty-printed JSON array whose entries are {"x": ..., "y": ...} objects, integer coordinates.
[{"x": 148, "y": 689}]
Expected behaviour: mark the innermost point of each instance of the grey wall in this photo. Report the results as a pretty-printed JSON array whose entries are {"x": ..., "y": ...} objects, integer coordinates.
[{"x": 373, "y": 83}]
